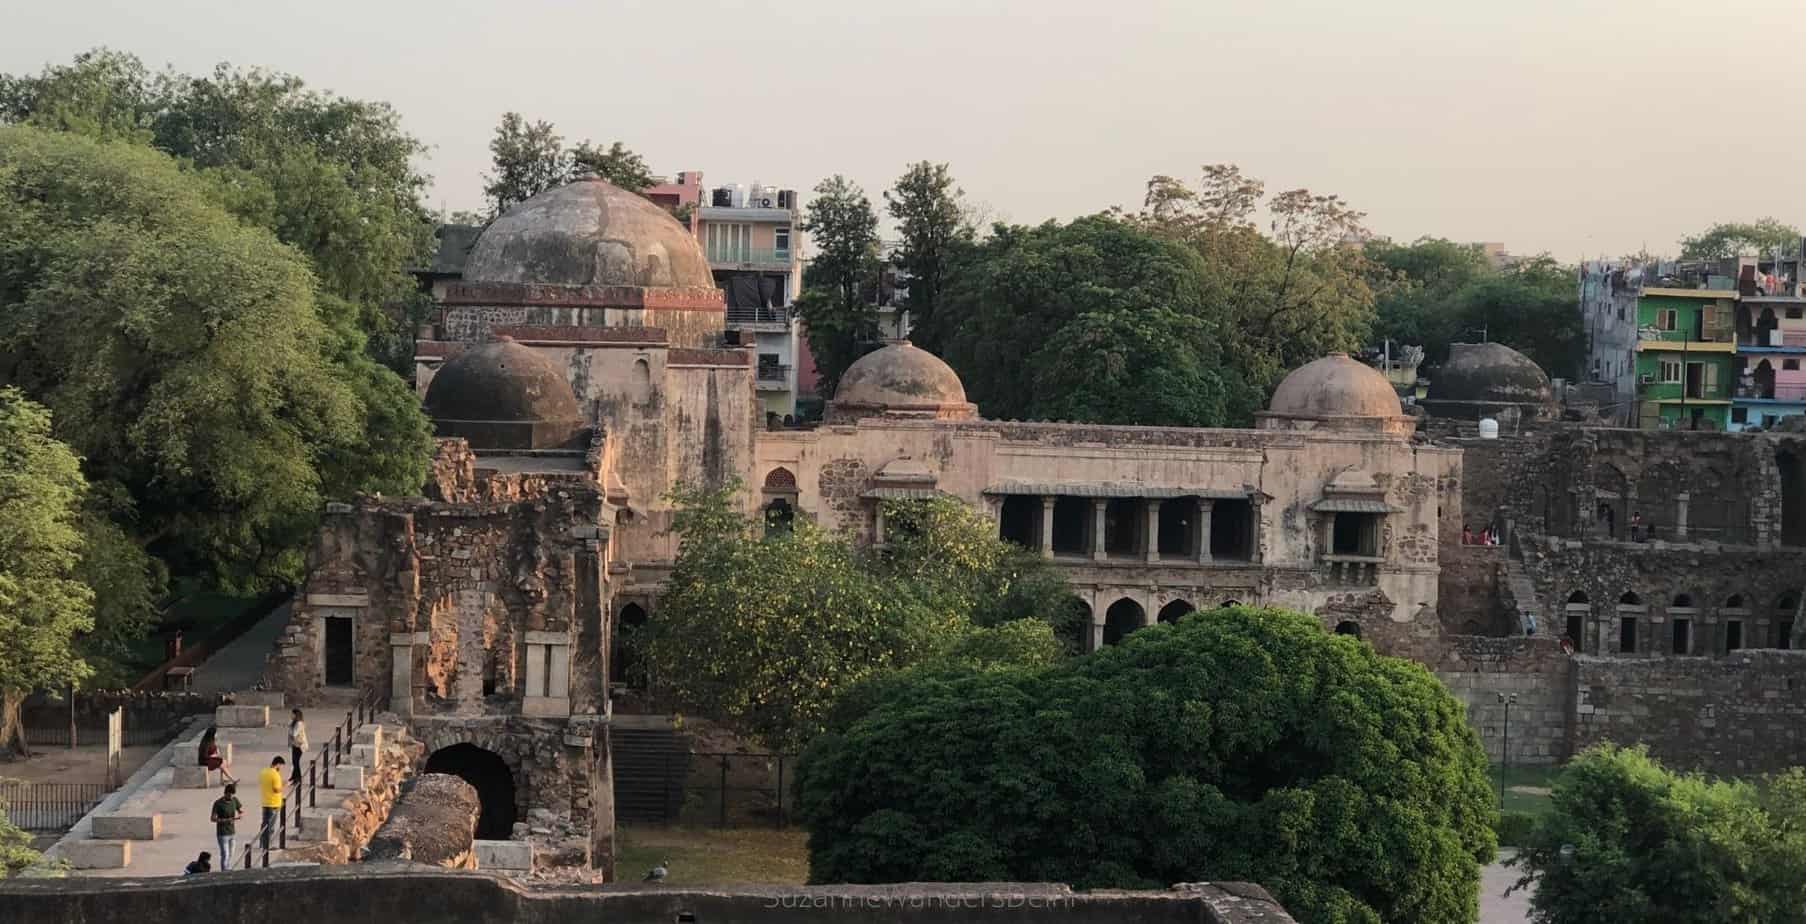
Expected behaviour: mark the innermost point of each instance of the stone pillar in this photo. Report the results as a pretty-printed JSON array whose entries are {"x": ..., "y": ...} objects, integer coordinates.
[
  {"x": 1047, "y": 517},
  {"x": 1254, "y": 521},
  {"x": 1151, "y": 529},
  {"x": 1201, "y": 550},
  {"x": 401, "y": 671},
  {"x": 1097, "y": 633},
  {"x": 878, "y": 525},
  {"x": 1681, "y": 501},
  {"x": 1098, "y": 506},
  {"x": 602, "y": 804}
]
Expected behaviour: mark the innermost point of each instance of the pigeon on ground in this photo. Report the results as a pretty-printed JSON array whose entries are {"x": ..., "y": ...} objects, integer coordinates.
[{"x": 657, "y": 873}]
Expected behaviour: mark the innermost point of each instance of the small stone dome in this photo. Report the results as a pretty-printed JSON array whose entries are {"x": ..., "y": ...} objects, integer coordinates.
[
  {"x": 900, "y": 380},
  {"x": 502, "y": 395},
  {"x": 1487, "y": 377},
  {"x": 588, "y": 233},
  {"x": 1335, "y": 386}
]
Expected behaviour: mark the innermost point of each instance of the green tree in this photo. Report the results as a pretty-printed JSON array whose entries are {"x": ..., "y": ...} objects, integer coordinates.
[
  {"x": 615, "y": 163},
  {"x": 185, "y": 356},
  {"x": 1762, "y": 237},
  {"x": 528, "y": 158},
  {"x": 1529, "y": 307},
  {"x": 1629, "y": 840},
  {"x": 43, "y": 603},
  {"x": 1238, "y": 744},
  {"x": 841, "y": 326},
  {"x": 331, "y": 176},
  {"x": 927, "y": 207},
  {"x": 1073, "y": 321},
  {"x": 16, "y": 852},
  {"x": 769, "y": 630},
  {"x": 1417, "y": 288}
]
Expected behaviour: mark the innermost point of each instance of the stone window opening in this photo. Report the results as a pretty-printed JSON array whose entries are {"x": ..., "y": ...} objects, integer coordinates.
[
  {"x": 1682, "y": 640},
  {"x": 1232, "y": 530},
  {"x": 1348, "y": 627},
  {"x": 1178, "y": 527},
  {"x": 1733, "y": 635},
  {"x": 1627, "y": 635},
  {"x": 1019, "y": 520},
  {"x": 1784, "y": 634},
  {"x": 1123, "y": 530},
  {"x": 1793, "y": 497},
  {"x": 625, "y": 664},
  {"x": 1123, "y": 617},
  {"x": 491, "y": 670},
  {"x": 339, "y": 650},
  {"x": 1176, "y": 610},
  {"x": 1576, "y": 610},
  {"x": 1355, "y": 534},
  {"x": 1071, "y": 525}
]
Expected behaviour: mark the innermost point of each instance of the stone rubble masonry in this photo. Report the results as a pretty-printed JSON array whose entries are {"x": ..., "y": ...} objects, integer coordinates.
[
  {"x": 397, "y": 893},
  {"x": 435, "y": 823},
  {"x": 1741, "y": 714},
  {"x": 1535, "y": 671}
]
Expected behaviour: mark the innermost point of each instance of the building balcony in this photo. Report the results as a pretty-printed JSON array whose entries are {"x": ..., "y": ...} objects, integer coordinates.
[
  {"x": 773, "y": 377},
  {"x": 1681, "y": 341},
  {"x": 1672, "y": 391},
  {"x": 1352, "y": 570},
  {"x": 758, "y": 318},
  {"x": 749, "y": 258}
]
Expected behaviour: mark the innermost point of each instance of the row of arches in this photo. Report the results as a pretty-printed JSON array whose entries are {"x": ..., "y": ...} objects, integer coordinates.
[{"x": 1682, "y": 611}]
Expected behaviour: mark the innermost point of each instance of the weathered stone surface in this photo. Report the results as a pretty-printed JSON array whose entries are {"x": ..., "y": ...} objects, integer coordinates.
[
  {"x": 242, "y": 716},
  {"x": 91, "y": 854},
  {"x": 128, "y": 827},
  {"x": 189, "y": 777},
  {"x": 400, "y": 894},
  {"x": 435, "y": 822},
  {"x": 504, "y": 855},
  {"x": 271, "y": 698}
]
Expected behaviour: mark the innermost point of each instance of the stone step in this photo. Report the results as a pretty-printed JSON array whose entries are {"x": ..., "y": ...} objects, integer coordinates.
[
  {"x": 98, "y": 854},
  {"x": 122, "y": 827},
  {"x": 317, "y": 826}
]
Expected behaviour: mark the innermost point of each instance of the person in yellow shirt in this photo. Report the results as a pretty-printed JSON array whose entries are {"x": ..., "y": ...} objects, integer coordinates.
[{"x": 269, "y": 781}]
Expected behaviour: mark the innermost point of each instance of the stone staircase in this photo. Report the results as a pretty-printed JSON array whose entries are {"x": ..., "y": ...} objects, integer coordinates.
[
  {"x": 651, "y": 770},
  {"x": 1520, "y": 594}
]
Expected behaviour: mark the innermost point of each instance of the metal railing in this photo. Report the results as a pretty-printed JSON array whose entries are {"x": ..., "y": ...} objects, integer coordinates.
[
  {"x": 41, "y": 807},
  {"x": 774, "y": 373},
  {"x": 44, "y": 735},
  {"x": 757, "y": 314},
  {"x": 764, "y": 256},
  {"x": 741, "y": 790},
  {"x": 319, "y": 776}
]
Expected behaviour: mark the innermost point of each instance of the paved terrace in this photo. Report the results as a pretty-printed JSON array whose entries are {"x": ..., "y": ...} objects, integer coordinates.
[{"x": 185, "y": 830}]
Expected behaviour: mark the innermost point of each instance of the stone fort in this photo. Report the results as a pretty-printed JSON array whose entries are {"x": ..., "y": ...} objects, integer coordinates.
[{"x": 577, "y": 370}]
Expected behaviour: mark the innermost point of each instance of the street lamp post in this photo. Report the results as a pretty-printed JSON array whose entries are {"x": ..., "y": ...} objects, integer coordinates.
[{"x": 1505, "y": 745}]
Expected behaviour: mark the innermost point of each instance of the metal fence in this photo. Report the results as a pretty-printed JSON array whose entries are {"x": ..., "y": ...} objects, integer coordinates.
[
  {"x": 58, "y": 735},
  {"x": 740, "y": 790},
  {"x": 48, "y": 806}
]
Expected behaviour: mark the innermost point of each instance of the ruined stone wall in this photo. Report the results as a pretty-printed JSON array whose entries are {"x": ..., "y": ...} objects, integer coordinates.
[
  {"x": 1470, "y": 601},
  {"x": 1480, "y": 670},
  {"x": 1737, "y": 715}
]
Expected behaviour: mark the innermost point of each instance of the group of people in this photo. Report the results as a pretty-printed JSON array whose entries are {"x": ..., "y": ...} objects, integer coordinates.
[
  {"x": 227, "y": 810},
  {"x": 1487, "y": 536}
]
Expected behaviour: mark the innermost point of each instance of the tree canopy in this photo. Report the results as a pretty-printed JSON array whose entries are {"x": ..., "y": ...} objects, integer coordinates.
[
  {"x": 1435, "y": 292},
  {"x": 840, "y": 324},
  {"x": 926, "y": 205},
  {"x": 767, "y": 628},
  {"x": 184, "y": 354},
  {"x": 1239, "y": 744},
  {"x": 1762, "y": 237},
  {"x": 43, "y": 603},
  {"x": 1629, "y": 840},
  {"x": 528, "y": 158}
]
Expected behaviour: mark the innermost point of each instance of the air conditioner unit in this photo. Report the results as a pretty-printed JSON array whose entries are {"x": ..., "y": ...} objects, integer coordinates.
[{"x": 765, "y": 202}]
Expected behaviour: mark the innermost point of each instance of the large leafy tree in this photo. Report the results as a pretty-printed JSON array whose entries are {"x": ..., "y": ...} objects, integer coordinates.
[
  {"x": 1417, "y": 288},
  {"x": 1629, "y": 840},
  {"x": 840, "y": 324},
  {"x": 1434, "y": 292},
  {"x": 331, "y": 176},
  {"x": 1073, "y": 321},
  {"x": 43, "y": 603},
  {"x": 767, "y": 629},
  {"x": 927, "y": 206},
  {"x": 1239, "y": 744},
  {"x": 185, "y": 356},
  {"x": 1528, "y": 306},
  {"x": 1763, "y": 237}
]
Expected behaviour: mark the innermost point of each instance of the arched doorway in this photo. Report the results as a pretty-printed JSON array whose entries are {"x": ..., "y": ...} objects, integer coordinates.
[
  {"x": 779, "y": 516},
  {"x": 1348, "y": 627},
  {"x": 1576, "y": 610},
  {"x": 489, "y": 775},
  {"x": 1123, "y": 617},
  {"x": 1172, "y": 611},
  {"x": 625, "y": 660}
]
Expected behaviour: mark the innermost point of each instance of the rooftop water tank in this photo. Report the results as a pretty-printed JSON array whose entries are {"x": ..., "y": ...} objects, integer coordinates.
[{"x": 1489, "y": 428}]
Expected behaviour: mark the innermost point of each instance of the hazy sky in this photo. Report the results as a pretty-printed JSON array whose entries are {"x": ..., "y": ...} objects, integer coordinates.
[{"x": 1578, "y": 127}]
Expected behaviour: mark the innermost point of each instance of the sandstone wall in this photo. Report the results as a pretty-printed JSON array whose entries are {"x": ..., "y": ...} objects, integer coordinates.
[
  {"x": 1745, "y": 713},
  {"x": 1480, "y": 670}
]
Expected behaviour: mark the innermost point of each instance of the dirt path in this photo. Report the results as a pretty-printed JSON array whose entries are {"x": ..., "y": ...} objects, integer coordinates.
[{"x": 80, "y": 765}]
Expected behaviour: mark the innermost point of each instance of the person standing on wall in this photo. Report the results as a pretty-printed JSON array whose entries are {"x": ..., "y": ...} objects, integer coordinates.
[
  {"x": 297, "y": 743},
  {"x": 226, "y": 812},
  {"x": 270, "y": 783}
]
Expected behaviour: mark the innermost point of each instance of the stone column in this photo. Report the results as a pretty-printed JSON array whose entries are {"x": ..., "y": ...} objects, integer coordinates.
[
  {"x": 401, "y": 671},
  {"x": 1254, "y": 520},
  {"x": 1201, "y": 550},
  {"x": 1097, "y": 633},
  {"x": 1047, "y": 517},
  {"x": 1151, "y": 513},
  {"x": 878, "y": 525},
  {"x": 1098, "y": 506},
  {"x": 1681, "y": 501},
  {"x": 601, "y": 802}
]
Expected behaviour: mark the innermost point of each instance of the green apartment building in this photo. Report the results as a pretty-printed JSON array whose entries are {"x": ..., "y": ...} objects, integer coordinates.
[{"x": 1685, "y": 342}]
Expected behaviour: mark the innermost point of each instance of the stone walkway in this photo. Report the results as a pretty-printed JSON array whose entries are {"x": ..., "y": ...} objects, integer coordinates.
[
  {"x": 1495, "y": 906},
  {"x": 239, "y": 665},
  {"x": 186, "y": 830}
]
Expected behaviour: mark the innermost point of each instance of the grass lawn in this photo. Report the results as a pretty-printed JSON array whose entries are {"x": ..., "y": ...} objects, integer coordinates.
[
  {"x": 1526, "y": 788},
  {"x": 704, "y": 856}
]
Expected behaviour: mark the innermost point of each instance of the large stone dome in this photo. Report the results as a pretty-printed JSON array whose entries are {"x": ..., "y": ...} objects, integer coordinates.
[
  {"x": 1484, "y": 378},
  {"x": 900, "y": 380},
  {"x": 1335, "y": 392},
  {"x": 502, "y": 395},
  {"x": 588, "y": 233}
]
